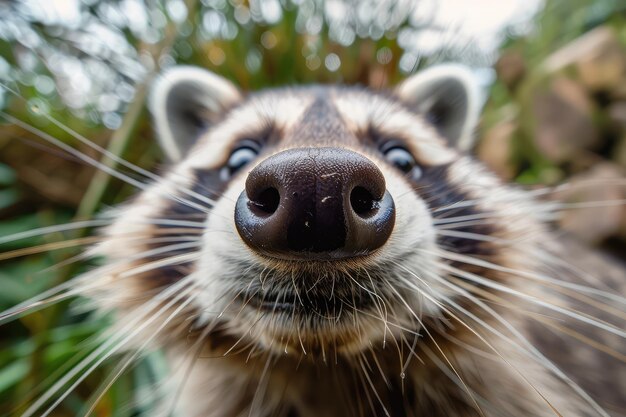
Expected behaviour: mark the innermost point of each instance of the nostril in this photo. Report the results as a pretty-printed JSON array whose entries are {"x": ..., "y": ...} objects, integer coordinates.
[
  {"x": 329, "y": 206},
  {"x": 266, "y": 202},
  {"x": 363, "y": 202}
]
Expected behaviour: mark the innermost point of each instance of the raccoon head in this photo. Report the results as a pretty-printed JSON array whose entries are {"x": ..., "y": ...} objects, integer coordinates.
[{"x": 311, "y": 213}]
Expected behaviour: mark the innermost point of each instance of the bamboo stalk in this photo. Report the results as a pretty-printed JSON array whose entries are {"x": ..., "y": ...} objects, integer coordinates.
[{"x": 121, "y": 137}]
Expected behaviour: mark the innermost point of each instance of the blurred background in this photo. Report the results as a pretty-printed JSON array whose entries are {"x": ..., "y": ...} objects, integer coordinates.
[{"x": 553, "y": 72}]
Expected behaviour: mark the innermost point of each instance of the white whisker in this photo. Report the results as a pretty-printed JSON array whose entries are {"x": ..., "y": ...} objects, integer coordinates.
[{"x": 136, "y": 324}]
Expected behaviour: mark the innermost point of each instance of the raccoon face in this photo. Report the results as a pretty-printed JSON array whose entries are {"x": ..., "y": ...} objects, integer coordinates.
[{"x": 316, "y": 206}]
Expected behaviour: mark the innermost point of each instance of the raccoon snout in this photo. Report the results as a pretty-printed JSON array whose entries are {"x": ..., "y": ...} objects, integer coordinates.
[{"x": 315, "y": 204}]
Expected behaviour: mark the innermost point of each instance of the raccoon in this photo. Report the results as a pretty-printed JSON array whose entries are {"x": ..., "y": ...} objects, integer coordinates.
[{"x": 337, "y": 251}]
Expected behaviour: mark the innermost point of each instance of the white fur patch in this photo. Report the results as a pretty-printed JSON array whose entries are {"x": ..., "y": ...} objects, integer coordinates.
[
  {"x": 360, "y": 110},
  {"x": 283, "y": 112}
]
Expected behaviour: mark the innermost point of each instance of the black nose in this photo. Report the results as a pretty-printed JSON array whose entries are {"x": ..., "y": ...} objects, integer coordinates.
[{"x": 315, "y": 203}]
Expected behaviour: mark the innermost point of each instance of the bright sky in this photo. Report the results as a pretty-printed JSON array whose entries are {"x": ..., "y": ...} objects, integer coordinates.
[
  {"x": 474, "y": 25},
  {"x": 476, "y": 20}
]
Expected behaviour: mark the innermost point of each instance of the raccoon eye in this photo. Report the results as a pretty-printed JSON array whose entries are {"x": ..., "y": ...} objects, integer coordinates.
[
  {"x": 239, "y": 158},
  {"x": 403, "y": 160}
]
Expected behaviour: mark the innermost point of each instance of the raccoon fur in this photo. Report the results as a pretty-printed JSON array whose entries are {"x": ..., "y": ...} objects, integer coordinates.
[{"x": 337, "y": 251}]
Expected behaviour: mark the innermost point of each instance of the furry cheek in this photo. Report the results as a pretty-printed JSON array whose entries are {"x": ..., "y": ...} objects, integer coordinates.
[
  {"x": 410, "y": 249},
  {"x": 223, "y": 254}
]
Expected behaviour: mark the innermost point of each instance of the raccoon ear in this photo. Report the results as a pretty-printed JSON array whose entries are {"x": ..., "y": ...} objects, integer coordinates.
[
  {"x": 449, "y": 97},
  {"x": 184, "y": 101}
]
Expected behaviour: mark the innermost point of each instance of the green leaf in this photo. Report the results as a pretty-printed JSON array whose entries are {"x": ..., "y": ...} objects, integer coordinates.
[
  {"x": 12, "y": 374},
  {"x": 13, "y": 290},
  {"x": 8, "y": 197},
  {"x": 17, "y": 225},
  {"x": 7, "y": 175}
]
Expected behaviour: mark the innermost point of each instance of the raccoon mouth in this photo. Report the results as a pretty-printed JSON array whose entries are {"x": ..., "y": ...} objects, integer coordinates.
[{"x": 295, "y": 304}]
